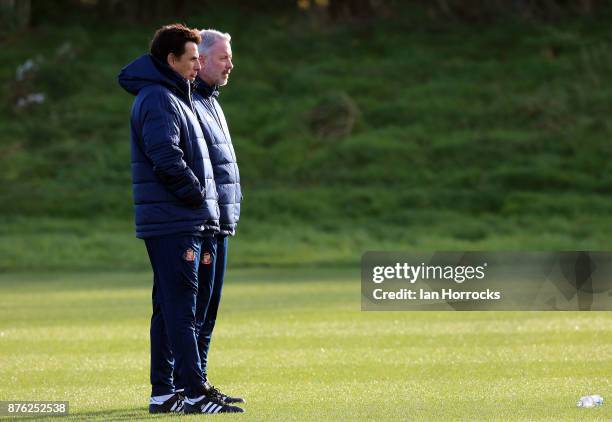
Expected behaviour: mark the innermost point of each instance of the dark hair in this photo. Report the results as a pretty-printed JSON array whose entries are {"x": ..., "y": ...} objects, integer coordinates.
[{"x": 171, "y": 39}]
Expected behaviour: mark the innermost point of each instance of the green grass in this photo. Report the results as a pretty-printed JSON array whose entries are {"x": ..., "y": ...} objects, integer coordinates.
[
  {"x": 295, "y": 343},
  {"x": 498, "y": 141},
  {"x": 42, "y": 244}
]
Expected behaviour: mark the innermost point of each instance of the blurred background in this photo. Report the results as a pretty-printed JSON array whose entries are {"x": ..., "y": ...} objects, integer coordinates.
[{"x": 358, "y": 124}]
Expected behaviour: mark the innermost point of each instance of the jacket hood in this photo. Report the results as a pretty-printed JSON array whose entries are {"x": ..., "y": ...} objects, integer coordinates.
[{"x": 147, "y": 70}]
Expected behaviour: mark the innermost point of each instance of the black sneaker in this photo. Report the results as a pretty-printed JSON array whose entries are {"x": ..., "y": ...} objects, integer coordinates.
[
  {"x": 173, "y": 405},
  {"x": 211, "y": 405},
  {"x": 211, "y": 391}
]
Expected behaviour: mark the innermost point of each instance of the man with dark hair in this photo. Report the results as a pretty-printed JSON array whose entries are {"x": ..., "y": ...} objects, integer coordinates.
[
  {"x": 215, "y": 67},
  {"x": 175, "y": 204}
]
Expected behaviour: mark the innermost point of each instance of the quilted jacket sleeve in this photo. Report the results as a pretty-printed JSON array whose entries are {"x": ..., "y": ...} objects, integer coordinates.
[{"x": 161, "y": 141}]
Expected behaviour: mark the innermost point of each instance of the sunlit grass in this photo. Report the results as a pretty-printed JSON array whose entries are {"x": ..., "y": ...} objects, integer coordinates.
[{"x": 295, "y": 343}]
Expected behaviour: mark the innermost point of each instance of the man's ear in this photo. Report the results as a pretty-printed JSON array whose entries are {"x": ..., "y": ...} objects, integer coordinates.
[{"x": 170, "y": 58}]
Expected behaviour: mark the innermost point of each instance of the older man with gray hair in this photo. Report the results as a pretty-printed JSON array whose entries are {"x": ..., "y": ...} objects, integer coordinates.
[{"x": 215, "y": 55}]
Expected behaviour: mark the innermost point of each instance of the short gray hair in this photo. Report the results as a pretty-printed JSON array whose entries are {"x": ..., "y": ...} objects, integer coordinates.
[{"x": 209, "y": 38}]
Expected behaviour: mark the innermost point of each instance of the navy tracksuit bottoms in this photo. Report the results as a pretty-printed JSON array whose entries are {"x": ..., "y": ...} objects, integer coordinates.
[
  {"x": 175, "y": 261},
  {"x": 211, "y": 275},
  {"x": 188, "y": 273}
]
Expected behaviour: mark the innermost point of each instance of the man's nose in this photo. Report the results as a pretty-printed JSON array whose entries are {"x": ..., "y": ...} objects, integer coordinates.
[
  {"x": 197, "y": 65},
  {"x": 231, "y": 65}
]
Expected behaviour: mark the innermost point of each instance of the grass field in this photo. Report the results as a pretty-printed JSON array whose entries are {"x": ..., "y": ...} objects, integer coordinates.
[
  {"x": 297, "y": 346},
  {"x": 497, "y": 142},
  {"x": 456, "y": 137}
]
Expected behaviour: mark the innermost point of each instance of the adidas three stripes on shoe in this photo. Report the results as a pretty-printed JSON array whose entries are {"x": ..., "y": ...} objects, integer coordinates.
[
  {"x": 205, "y": 404},
  {"x": 173, "y": 404}
]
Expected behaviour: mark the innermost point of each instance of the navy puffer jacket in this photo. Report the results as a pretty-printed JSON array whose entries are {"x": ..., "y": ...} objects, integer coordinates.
[
  {"x": 222, "y": 155},
  {"x": 172, "y": 177}
]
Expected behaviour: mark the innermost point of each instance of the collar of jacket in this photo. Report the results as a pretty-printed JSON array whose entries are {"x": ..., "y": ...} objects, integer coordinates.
[
  {"x": 204, "y": 89},
  {"x": 175, "y": 82}
]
